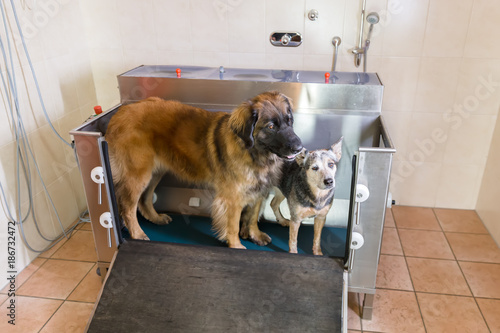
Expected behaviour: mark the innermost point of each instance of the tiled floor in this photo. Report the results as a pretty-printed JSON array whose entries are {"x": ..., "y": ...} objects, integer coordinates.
[
  {"x": 57, "y": 291},
  {"x": 439, "y": 272}
]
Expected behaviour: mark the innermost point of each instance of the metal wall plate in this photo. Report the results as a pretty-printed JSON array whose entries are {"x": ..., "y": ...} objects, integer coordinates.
[{"x": 293, "y": 39}]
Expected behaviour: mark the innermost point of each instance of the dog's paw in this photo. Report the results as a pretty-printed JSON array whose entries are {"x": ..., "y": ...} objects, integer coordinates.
[
  {"x": 260, "y": 238},
  {"x": 244, "y": 233},
  {"x": 163, "y": 219},
  {"x": 317, "y": 250},
  {"x": 284, "y": 222},
  {"x": 140, "y": 235},
  {"x": 237, "y": 246}
]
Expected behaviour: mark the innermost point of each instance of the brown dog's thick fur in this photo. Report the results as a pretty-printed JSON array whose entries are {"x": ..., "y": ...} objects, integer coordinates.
[{"x": 239, "y": 155}]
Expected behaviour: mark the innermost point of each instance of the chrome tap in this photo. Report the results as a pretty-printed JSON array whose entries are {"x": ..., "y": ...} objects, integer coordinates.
[
  {"x": 360, "y": 51},
  {"x": 336, "y": 41}
]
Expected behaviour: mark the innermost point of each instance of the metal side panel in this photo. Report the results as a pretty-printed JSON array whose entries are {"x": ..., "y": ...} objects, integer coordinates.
[
  {"x": 89, "y": 157},
  {"x": 373, "y": 172}
]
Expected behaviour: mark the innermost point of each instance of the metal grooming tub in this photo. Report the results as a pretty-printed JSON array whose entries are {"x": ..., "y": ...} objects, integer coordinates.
[{"x": 345, "y": 104}]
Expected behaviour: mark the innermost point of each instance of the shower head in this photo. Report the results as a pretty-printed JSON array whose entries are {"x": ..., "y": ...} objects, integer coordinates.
[{"x": 372, "y": 18}]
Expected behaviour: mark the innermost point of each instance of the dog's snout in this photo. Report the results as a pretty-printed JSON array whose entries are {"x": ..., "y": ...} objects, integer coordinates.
[
  {"x": 295, "y": 144},
  {"x": 328, "y": 181},
  {"x": 296, "y": 148}
]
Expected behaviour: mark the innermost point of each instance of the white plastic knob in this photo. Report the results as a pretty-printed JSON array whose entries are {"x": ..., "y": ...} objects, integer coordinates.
[
  {"x": 97, "y": 175},
  {"x": 357, "y": 240},
  {"x": 362, "y": 193},
  {"x": 105, "y": 220}
]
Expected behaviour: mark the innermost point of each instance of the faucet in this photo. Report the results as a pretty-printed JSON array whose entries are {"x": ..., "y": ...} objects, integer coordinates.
[
  {"x": 336, "y": 43},
  {"x": 360, "y": 52}
]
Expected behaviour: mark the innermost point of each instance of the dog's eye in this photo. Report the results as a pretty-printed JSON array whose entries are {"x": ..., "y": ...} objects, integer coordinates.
[
  {"x": 315, "y": 168},
  {"x": 270, "y": 126},
  {"x": 330, "y": 165}
]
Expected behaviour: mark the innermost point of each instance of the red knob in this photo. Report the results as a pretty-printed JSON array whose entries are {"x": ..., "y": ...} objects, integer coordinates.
[
  {"x": 327, "y": 77},
  {"x": 97, "y": 109},
  {"x": 178, "y": 71}
]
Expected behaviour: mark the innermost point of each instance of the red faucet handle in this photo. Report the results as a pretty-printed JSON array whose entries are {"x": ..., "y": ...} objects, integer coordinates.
[
  {"x": 327, "y": 77},
  {"x": 178, "y": 71}
]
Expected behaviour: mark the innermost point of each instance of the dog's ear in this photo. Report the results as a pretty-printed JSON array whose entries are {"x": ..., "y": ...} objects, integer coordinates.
[
  {"x": 337, "y": 150},
  {"x": 242, "y": 122},
  {"x": 301, "y": 158}
]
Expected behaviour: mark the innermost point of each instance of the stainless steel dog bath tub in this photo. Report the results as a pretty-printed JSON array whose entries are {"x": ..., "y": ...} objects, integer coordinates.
[{"x": 348, "y": 105}]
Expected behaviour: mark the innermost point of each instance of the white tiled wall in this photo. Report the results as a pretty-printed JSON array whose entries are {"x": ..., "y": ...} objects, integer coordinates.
[
  {"x": 58, "y": 48},
  {"x": 438, "y": 59},
  {"x": 432, "y": 55}
]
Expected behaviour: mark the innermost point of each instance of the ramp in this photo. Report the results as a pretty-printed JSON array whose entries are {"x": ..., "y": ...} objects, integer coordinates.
[{"x": 167, "y": 287}]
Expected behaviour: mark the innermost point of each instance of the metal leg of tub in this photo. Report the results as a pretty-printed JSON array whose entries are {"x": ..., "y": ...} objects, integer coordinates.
[
  {"x": 345, "y": 296},
  {"x": 102, "y": 269},
  {"x": 368, "y": 306}
]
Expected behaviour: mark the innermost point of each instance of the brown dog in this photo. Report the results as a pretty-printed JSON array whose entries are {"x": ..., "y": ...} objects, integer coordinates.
[{"x": 239, "y": 155}]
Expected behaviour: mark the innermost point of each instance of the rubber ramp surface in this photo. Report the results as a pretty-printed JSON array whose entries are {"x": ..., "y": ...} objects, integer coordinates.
[{"x": 166, "y": 287}]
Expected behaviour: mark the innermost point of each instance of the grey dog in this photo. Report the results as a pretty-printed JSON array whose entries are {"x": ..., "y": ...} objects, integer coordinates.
[{"x": 308, "y": 184}]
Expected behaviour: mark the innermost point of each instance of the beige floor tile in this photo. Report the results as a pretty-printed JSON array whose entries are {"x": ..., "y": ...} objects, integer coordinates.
[
  {"x": 390, "y": 242},
  {"x": 491, "y": 312},
  {"x": 483, "y": 279},
  {"x": 31, "y": 314},
  {"x": 26, "y": 273},
  {"x": 450, "y": 314},
  {"x": 70, "y": 317},
  {"x": 389, "y": 219},
  {"x": 393, "y": 274},
  {"x": 3, "y": 297},
  {"x": 437, "y": 276},
  {"x": 88, "y": 289},
  {"x": 52, "y": 250},
  {"x": 394, "y": 311},
  {"x": 79, "y": 247},
  {"x": 459, "y": 220},
  {"x": 415, "y": 218},
  {"x": 472, "y": 247},
  {"x": 354, "y": 311},
  {"x": 55, "y": 279},
  {"x": 425, "y": 244}
]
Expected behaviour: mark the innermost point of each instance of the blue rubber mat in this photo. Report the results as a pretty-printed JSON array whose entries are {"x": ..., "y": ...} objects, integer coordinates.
[{"x": 188, "y": 229}]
